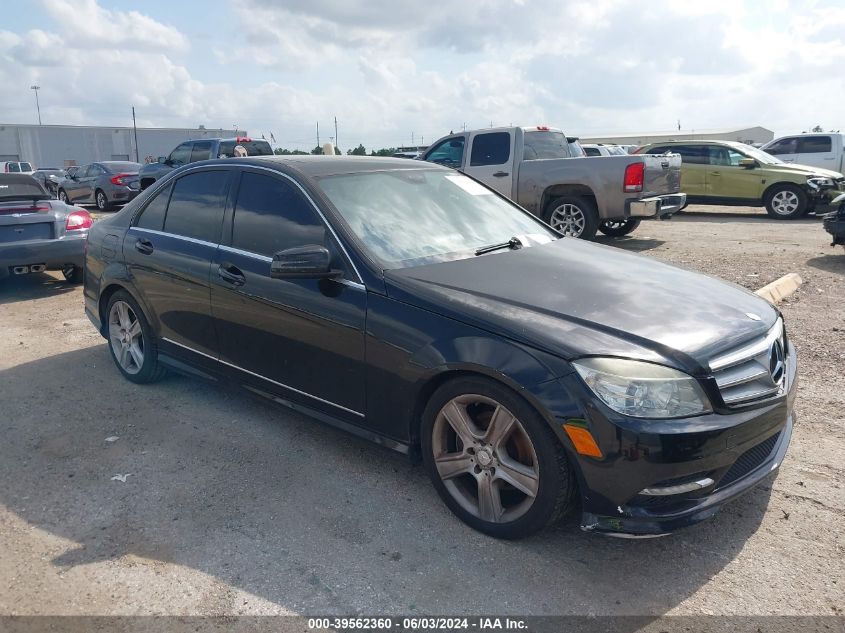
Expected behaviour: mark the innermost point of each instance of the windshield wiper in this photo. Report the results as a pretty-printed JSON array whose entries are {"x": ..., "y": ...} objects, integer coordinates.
[{"x": 511, "y": 243}]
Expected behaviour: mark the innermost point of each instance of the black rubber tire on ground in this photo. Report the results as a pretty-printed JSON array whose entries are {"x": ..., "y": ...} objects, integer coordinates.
[
  {"x": 62, "y": 195},
  {"x": 557, "y": 488},
  {"x": 74, "y": 274},
  {"x": 102, "y": 200},
  {"x": 777, "y": 209},
  {"x": 151, "y": 370},
  {"x": 587, "y": 208},
  {"x": 618, "y": 228}
]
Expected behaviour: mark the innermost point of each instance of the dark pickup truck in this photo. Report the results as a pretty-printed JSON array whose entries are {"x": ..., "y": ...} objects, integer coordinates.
[{"x": 201, "y": 149}]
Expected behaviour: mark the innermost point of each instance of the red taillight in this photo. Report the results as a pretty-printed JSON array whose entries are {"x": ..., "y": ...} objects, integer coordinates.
[
  {"x": 78, "y": 220},
  {"x": 243, "y": 139},
  {"x": 118, "y": 179},
  {"x": 543, "y": 128},
  {"x": 32, "y": 209},
  {"x": 634, "y": 176}
]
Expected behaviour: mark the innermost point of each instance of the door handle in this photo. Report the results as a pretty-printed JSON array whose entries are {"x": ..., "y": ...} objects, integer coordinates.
[
  {"x": 501, "y": 174},
  {"x": 231, "y": 273},
  {"x": 144, "y": 246}
]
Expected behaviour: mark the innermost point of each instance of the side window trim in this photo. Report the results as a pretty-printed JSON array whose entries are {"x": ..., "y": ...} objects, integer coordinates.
[{"x": 226, "y": 240}]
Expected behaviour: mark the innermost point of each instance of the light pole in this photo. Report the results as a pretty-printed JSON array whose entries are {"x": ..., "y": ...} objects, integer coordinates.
[{"x": 37, "y": 105}]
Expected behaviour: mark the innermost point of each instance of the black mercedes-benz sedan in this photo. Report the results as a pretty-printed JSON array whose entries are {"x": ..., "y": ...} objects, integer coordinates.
[{"x": 409, "y": 304}]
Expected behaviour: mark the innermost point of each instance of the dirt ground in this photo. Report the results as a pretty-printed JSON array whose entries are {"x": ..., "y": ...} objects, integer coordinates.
[{"x": 232, "y": 506}]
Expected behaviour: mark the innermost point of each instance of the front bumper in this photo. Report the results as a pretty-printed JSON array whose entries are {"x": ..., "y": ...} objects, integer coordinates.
[
  {"x": 735, "y": 449},
  {"x": 655, "y": 206},
  {"x": 55, "y": 254},
  {"x": 834, "y": 223}
]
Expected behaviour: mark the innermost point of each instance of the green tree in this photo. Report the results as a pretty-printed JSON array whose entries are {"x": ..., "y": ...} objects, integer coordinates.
[{"x": 358, "y": 151}]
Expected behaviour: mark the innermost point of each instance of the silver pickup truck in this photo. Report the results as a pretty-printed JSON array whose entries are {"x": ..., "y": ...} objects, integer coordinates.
[{"x": 533, "y": 167}]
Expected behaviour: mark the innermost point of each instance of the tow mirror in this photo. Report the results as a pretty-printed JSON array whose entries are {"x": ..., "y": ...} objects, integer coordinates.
[
  {"x": 303, "y": 262},
  {"x": 748, "y": 163}
]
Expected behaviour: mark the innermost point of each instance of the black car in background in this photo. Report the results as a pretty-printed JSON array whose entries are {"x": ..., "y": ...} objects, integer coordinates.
[
  {"x": 105, "y": 184},
  {"x": 408, "y": 304},
  {"x": 38, "y": 233}
]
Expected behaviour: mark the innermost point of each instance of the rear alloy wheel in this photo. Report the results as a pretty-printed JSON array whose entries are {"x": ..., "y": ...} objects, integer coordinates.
[
  {"x": 786, "y": 202},
  {"x": 618, "y": 228},
  {"x": 493, "y": 460},
  {"x": 574, "y": 216},
  {"x": 102, "y": 202},
  {"x": 131, "y": 341},
  {"x": 63, "y": 196}
]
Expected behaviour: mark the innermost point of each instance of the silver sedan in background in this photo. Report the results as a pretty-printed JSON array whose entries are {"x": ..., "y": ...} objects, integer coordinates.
[{"x": 105, "y": 184}]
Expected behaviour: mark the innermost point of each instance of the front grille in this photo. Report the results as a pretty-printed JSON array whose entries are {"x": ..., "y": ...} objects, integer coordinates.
[
  {"x": 752, "y": 371},
  {"x": 749, "y": 461}
]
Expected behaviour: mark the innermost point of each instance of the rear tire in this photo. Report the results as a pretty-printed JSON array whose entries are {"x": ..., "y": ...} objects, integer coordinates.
[
  {"x": 618, "y": 228},
  {"x": 74, "y": 274},
  {"x": 786, "y": 202},
  {"x": 63, "y": 196},
  {"x": 102, "y": 201},
  {"x": 131, "y": 340},
  {"x": 574, "y": 216},
  {"x": 505, "y": 474}
]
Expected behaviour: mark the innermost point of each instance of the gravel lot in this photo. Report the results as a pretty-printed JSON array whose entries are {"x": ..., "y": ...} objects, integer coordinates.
[{"x": 233, "y": 506}]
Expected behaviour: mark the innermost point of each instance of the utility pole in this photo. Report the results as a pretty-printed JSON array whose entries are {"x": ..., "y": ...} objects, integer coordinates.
[
  {"x": 37, "y": 105},
  {"x": 335, "y": 132},
  {"x": 135, "y": 131},
  {"x": 318, "y": 134}
]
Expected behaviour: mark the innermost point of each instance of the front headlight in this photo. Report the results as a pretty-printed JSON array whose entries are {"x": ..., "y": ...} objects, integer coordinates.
[
  {"x": 643, "y": 390},
  {"x": 817, "y": 182}
]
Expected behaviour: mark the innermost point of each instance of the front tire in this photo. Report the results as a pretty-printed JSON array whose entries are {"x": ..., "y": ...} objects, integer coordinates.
[
  {"x": 618, "y": 228},
  {"x": 493, "y": 459},
  {"x": 786, "y": 202},
  {"x": 63, "y": 196},
  {"x": 131, "y": 341},
  {"x": 574, "y": 216}
]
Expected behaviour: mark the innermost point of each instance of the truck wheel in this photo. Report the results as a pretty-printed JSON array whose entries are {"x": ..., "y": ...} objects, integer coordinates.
[
  {"x": 618, "y": 228},
  {"x": 574, "y": 216},
  {"x": 786, "y": 202}
]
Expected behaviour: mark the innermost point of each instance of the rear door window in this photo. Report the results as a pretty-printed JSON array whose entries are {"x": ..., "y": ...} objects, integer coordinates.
[
  {"x": 152, "y": 217},
  {"x": 692, "y": 154},
  {"x": 814, "y": 145},
  {"x": 26, "y": 167},
  {"x": 201, "y": 151},
  {"x": 13, "y": 168},
  {"x": 196, "y": 205},
  {"x": 271, "y": 215},
  {"x": 492, "y": 148}
]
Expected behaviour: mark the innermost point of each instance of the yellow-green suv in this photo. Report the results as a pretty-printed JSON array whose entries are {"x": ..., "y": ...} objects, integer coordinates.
[{"x": 728, "y": 173}]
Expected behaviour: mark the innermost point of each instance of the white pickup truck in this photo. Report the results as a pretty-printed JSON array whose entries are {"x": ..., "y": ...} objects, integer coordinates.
[
  {"x": 816, "y": 150},
  {"x": 534, "y": 167}
]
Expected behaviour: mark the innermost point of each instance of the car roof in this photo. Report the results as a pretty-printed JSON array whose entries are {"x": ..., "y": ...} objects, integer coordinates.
[
  {"x": 318, "y": 166},
  {"x": 696, "y": 142}
]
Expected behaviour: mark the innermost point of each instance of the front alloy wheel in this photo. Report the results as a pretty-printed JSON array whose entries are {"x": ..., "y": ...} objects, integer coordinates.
[
  {"x": 493, "y": 459},
  {"x": 786, "y": 202},
  {"x": 63, "y": 196},
  {"x": 102, "y": 201}
]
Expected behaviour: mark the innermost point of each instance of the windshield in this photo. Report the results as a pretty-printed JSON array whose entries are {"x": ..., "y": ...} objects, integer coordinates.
[
  {"x": 411, "y": 217},
  {"x": 545, "y": 144},
  {"x": 760, "y": 155}
]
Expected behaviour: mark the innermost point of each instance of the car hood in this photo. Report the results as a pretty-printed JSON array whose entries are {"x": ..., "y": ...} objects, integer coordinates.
[
  {"x": 572, "y": 298},
  {"x": 806, "y": 170}
]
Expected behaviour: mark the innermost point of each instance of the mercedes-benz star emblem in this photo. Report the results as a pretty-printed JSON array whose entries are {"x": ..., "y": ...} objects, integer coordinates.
[{"x": 776, "y": 366}]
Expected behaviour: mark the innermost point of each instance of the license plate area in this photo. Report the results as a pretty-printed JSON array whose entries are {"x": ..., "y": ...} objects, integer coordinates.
[{"x": 24, "y": 232}]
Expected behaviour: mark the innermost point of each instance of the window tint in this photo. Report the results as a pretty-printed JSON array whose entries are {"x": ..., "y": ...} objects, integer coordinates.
[
  {"x": 181, "y": 154},
  {"x": 450, "y": 152},
  {"x": 196, "y": 205},
  {"x": 26, "y": 167},
  {"x": 152, "y": 217},
  {"x": 724, "y": 156},
  {"x": 592, "y": 151},
  {"x": 272, "y": 215},
  {"x": 13, "y": 167},
  {"x": 814, "y": 145},
  {"x": 659, "y": 150},
  {"x": 691, "y": 154},
  {"x": 201, "y": 151},
  {"x": 493, "y": 148},
  {"x": 253, "y": 148},
  {"x": 783, "y": 146}
]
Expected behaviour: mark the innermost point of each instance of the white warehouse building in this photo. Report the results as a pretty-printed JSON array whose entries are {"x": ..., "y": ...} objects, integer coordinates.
[
  {"x": 66, "y": 145},
  {"x": 755, "y": 135}
]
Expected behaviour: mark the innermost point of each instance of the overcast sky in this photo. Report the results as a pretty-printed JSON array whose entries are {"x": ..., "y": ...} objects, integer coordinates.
[{"x": 390, "y": 68}]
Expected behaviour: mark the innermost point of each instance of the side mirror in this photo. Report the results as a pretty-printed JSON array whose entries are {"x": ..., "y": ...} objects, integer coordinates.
[
  {"x": 748, "y": 163},
  {"x": 161, "y": 159},
  {"x": 303, "y": 262}
]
